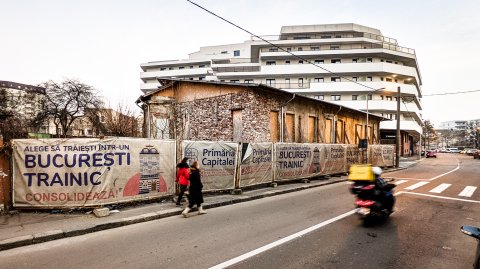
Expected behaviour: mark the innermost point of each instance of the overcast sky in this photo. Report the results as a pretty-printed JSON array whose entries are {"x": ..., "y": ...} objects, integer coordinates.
[{"x": 103, "y": 42}]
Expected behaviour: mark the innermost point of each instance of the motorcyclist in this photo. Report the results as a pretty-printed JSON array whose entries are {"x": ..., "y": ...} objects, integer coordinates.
[{"x": 384, "y": 188}]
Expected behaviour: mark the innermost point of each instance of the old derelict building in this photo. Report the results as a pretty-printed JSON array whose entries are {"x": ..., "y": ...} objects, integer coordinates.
[{"x": 219, "y": 111}]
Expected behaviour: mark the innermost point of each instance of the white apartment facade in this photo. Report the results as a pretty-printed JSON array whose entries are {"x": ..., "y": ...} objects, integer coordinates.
[{"x": 331, "y": 58}]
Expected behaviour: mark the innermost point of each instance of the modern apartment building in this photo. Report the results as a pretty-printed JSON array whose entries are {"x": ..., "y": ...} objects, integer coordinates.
[{"x": 341, "y": 63}]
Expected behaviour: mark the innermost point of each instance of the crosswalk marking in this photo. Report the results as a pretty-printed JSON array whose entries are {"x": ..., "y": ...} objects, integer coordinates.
[
  {"x": 440, "y": 188},
  {"x": 400, "y": 182},
  {"x": 417, "y": 185},
  {"x": 468, "y": 191}
]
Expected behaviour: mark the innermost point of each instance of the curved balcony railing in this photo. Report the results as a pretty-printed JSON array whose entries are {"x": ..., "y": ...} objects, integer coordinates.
[{"x": 347, "y": 47}]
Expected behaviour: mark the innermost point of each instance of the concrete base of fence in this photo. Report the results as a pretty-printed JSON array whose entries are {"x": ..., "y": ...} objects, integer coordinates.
[{"x": 236, "y": 191}]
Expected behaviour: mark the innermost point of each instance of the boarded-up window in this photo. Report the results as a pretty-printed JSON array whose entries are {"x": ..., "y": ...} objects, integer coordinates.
[
  {"x": 311, "y": 130},
  {"x": 321, "y": 131},
  {"x": 340, "y": 132},
  {"x": 237, "y": 125},
  {"x": 328, "y": 131},
  {"x": 274, "y": 127},
  {"x": 289, "y": 128},
  {"x": 370, "y": 135},
  {"x": 358, "y": 133}
]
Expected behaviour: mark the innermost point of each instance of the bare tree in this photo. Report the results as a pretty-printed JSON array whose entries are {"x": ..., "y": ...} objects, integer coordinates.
[
  {"x": 67, "y": 101},
  {"x": 119, "y": 122}
]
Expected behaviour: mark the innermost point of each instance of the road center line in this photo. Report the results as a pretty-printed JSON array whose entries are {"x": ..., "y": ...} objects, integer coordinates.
[
  {"x": 444, "y": 174},
  {"x": 441, "y": 197},
  {"x": 281, "y": 241}
]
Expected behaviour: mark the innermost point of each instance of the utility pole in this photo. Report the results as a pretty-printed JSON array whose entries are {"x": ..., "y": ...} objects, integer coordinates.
[{"x": 397, "y": 144}]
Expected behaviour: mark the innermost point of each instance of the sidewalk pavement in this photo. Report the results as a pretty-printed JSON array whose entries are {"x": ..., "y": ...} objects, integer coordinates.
[{"x": 21, "y": 228}]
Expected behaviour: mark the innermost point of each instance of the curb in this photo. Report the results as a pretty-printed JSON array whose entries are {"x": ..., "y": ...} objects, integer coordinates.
[{"x": 26, "y": 240}]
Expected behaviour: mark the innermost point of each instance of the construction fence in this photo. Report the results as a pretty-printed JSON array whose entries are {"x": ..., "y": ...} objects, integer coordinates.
[{"x": 72, "y": 173}]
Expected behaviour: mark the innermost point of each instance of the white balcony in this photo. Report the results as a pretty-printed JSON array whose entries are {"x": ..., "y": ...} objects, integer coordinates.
[
  {"x": 405, "y": 125},
  {"x": 175, "y": 73},
  {"x": 337, "y": 52},
  {"x": 149, "y": 86},
  {"x": 349, "y": 87}
]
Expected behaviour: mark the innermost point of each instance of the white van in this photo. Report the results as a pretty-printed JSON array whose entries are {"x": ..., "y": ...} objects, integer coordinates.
[{"x": 453, "y": 150}]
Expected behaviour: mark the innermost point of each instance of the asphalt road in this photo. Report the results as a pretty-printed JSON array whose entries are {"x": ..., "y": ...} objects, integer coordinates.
[{"x": 423, "y": 232}]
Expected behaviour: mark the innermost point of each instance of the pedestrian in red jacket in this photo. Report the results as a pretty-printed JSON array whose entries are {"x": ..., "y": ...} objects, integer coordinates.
[
  {"x": 196, "y": 186},
  {"x": 183, "y": 178}
]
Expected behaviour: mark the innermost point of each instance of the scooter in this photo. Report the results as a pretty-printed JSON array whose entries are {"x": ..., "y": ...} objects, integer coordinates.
[
  {"x": 372, "y": 202},
  {"x": 475, "y": 233}
]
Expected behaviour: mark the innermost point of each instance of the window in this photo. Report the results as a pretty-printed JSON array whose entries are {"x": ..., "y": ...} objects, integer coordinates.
[
  {"x": 300, "y": 62},
  {"x": 388, "y": 79},
  {"x": 236, "y": 53},
  {"x": 248, "y": 81},
  {"x": 369, "y": 78},
  {"x": 381, "y": 97},
  {"x": 335, "y": 79},
  {"x": 334, "y": 47},
  {"x": 234, "y": 81},
  {"x": 289, "y": 49},
  {"x": 287, "y": 83},
  {"x": 191, "y": 78},
  {"x": 338, "y": 36},
  {"x": 191, "y": 66},
  {"x": 201, "y": 66},
  {"x": 369, "y": 97},
  {"x": 300, "y": 82},
  {"x": 300, "y": 49},
  {"x": 272, "y": 49},
  {"x": 181, "y": 67},
  {"x": 319, "y": 97},
  {"x": 354, "y": 60},
  {"x": 224, "y": 52},
  {"x": 389, "y": 62},
  {"x": 318, "y": 80},
  {"x": 271, "y": 63},
  {"x": 389, "y": 98},
  {"x": 163, "y": 68},
  {"x": 326, "y": 36},
  {"x": 170, "y": 68},
  {"x": 355, "y": 78},
  {"x": 314, "y": 48},
  {"x": 354, "y": 97},
  {"x": 335, "y": 97},
  {"x": 201, "y": 78},
  {"x": 318, "y": 61},
  {"x": 381, "y": 78},
  {"x": 287, "y": 62},
  {"x": 369, "y": 60},
  {"x": 271, "y": 82},
  {"x": 336, "y": 61}
]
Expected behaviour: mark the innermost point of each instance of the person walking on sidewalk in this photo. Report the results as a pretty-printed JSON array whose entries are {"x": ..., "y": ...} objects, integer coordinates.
[
  {"x": 183, "y": 178},
  {"x": 196, "y": 186}
]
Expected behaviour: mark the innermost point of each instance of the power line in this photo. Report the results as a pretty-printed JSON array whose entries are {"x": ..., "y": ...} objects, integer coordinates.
[
  {"x": 282, "y": 49},
  {"x": 450, "y": 93}
]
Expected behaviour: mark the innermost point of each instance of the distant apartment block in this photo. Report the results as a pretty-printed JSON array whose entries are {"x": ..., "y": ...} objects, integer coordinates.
[
  {"x": 332, "y": 58},
  {"x": 20, "y": 99}
]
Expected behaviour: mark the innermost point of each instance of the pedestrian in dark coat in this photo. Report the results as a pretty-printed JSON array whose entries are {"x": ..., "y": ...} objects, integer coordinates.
[
  {"x": 183, "y": 176},
  {"x": 195, "y": 190}
]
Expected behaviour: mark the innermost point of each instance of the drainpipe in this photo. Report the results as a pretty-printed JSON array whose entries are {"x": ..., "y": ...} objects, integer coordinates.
[{"x": 282, "y": 118}]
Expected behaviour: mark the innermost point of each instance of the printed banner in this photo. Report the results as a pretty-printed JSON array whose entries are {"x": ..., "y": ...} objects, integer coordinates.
[
  {"x": 382, "y": 155},
  {"x": 354, "y": 155},
  {"x": 334, "y": 159},
  {"x": 256, "y": 165},
  {"x": 297, "y": 160},
  {"x": 87, "y": 172},
  {"x": 217, "y": 162}
]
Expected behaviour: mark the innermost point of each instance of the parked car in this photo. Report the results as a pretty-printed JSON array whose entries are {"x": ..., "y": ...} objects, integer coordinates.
[
  {"x": 431, "y": 154},
  {"x": 476, "y": 154},
  {"x": 470, "y": 152}
]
